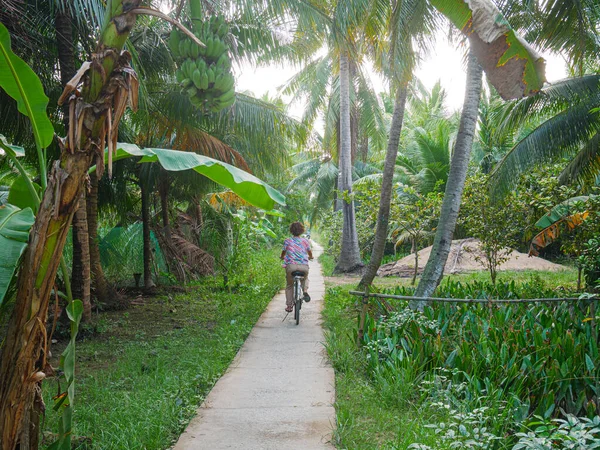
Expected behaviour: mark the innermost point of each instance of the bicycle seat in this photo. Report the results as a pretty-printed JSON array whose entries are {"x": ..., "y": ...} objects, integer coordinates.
[{"x": 298, "y": 273}]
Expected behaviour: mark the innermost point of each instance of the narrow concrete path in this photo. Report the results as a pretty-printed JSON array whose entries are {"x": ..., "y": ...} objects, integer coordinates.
[{"x": 279, "y": 391}]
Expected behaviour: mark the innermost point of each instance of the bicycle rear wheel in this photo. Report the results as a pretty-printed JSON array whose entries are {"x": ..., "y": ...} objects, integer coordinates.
[{"x": 297, "y": 300}]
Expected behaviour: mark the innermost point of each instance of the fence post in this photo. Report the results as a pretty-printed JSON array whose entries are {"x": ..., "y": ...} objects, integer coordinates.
[{"x": 363, "y": 316}]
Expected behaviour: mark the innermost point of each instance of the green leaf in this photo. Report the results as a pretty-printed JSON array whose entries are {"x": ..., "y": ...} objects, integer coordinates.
[
  {"x": 589, "y": 364},
  {"x": 510, "y": 64},
  {"x": 22, "y": 84},
  {"x": 15, "y": 224},
  {"x": 20, "y": 195},
  {"x": 559, "y": 211},
  {"x": 75, "y": 312},
  {"x": 247, "y": 186}
]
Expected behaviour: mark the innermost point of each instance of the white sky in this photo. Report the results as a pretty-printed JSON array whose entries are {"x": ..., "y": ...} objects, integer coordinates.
[{"x": 445, "y": 63}]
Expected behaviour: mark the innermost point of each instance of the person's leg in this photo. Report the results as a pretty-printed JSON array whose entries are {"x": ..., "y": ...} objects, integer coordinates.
[
  {"x": 289, "y": 287},
  {"x": 304, "y": 268},
  {"x": 305, "y": 282}
]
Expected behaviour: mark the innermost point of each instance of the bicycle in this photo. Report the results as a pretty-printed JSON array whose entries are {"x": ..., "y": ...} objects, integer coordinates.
[{"x": 298, "y": 293}]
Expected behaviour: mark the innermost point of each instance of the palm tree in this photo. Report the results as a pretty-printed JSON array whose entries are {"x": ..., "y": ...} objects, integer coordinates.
[{"x": 434, "y": 269}]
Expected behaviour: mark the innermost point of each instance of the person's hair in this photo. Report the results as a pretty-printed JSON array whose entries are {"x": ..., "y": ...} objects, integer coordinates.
[{"x": 296, "y": 228}]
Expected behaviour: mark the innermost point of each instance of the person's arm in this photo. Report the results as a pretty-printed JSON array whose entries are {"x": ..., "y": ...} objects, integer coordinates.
[
  {"x": 310, "y": 256},
  {"x": 284, "y": 250}
]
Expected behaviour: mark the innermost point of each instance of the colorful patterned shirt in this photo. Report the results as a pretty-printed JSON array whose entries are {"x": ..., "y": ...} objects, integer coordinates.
[{"x": 296, "y": 251}]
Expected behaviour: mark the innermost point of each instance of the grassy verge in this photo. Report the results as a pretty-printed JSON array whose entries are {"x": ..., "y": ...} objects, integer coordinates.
[
  {"x": 142, "y": 377},
  {"x": 370, "y": 414},
  {"x": 327, "y": 264}
]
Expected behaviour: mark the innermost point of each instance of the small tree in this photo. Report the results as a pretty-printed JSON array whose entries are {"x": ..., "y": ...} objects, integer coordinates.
[
  {"x": 413, "y": 220},
  {"x": 494, "y": 222}
]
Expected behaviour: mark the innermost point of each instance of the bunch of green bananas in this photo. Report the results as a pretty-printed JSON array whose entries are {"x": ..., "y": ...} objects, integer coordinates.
[{"x": 205, "y": 72}]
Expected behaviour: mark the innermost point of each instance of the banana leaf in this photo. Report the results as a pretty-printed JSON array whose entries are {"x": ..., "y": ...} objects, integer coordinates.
[
  {"x": 511, "y": 65},
  {"x": 20, "y": 195},
  {"x": 245, "y": 185},
  {"x": 549, "y": 234},
  {"x": 15, "y": 224},
  {"x": 559, "y": 212},
  {"x": 22, "y": 84}
]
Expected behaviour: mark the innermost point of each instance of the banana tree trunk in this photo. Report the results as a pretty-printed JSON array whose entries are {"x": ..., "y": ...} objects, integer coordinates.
[
  {"x": 80, "y": 278},
  {"x": 349, "y": 260},
  {"x": 23, "y": 358},
  {"x": 434, "y": 269},
  {"x": 386, "y": 189},
  {"x": 80, "y": 274}
]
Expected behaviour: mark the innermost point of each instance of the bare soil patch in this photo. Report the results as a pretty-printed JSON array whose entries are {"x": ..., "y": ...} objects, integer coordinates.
[{"x": 463, "y": 258}]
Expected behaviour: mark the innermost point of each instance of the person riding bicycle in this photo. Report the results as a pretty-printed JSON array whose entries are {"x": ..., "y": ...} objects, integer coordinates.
[{"x": 295, "y": 255}]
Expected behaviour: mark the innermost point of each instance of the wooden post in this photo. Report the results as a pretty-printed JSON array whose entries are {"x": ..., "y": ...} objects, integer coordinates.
[{"x": 363, "y": 316}]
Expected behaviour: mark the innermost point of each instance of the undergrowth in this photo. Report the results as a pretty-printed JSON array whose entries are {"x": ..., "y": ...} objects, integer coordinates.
[
  {"x": 466, "y": 376},
  {"x": 142, "y": 377}
]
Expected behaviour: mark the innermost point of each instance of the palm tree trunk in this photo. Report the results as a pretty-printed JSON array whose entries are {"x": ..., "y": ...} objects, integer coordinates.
[
  {"x": 163, "y": 190},
  {"x": 23, "y": 357},
  {"x": 148, "y": 283},
  {"x": 349, "y": 259},
  {"x": 80, "y": 280},
  {"x": 434, "y": 269},
  {"x": 386, "y": 189},
  {"x": 104, "y": 293}
]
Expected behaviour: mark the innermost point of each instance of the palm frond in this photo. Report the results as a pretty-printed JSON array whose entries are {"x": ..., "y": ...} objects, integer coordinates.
[
  {"x": 585, "y": 167},
  {"x": 561, "y": 135}
]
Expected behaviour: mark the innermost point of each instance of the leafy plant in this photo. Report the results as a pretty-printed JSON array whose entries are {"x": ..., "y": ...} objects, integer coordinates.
[
  {"x": 577, "y": 433},
  {"x": 526, "y": 359}
]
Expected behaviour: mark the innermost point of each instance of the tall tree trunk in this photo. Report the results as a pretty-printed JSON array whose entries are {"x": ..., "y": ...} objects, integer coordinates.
[
  {"x": 434, "y": 269},
  {"x": 349, "y": 260},
  {"x": 23, "y": 357},
  {"x": 105, "y": 294},
  {"x": 148, "y": 283},
  {"x": 80, "y": 280},
  {"x": 337, "y": 201},
  {"x": 363, "y": 149},
  {"x": 163, "y": 190},
  {"x": 386, "y": 188}
]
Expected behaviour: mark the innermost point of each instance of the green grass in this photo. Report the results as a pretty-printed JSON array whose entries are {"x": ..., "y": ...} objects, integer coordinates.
[
  {"x": 327, "y": 264},
  {"x": 141, "y": 379},
  {"x": 369, "y": 414},
  {"x": 566, "y": 279}
]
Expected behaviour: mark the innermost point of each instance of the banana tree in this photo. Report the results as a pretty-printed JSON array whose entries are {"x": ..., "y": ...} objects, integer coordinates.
[
  {"x": 97, "y": 98},
  {"x": 570, "y": 216}
]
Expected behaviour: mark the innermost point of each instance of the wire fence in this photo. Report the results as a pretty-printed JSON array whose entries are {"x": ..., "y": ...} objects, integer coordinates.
[
  {"x": 486, "y": 301},
  {"x": 474, "y": 300}
]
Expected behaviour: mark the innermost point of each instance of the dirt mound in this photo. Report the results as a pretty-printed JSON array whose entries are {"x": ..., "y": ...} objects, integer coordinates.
[{"x": 462, "y": 258}]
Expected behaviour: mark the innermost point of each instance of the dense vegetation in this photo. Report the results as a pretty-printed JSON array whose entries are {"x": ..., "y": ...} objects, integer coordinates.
[
  {"x": 467, "y": 376},
  {"x": 134, "y": 176}
]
